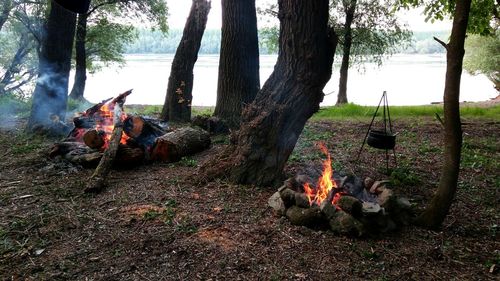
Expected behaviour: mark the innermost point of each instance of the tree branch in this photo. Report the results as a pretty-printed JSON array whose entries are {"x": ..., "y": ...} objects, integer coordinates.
[{"x": 441, "y": 42}]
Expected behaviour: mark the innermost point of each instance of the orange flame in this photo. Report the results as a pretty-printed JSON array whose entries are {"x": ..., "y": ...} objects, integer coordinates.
[
  {"x": 105, "y": 123},
  {"x": 325, "y": 182}
]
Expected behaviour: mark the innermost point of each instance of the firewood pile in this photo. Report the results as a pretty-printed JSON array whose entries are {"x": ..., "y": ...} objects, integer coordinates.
[
  {"x": 104, "y": 135},
  {"x": 347, "y": 205}
]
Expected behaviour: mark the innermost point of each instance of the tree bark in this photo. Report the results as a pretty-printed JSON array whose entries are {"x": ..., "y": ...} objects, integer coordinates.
[
  {"x": 346, "y": 52},
  {"x": 436, "y": 211},
  {"x": 239, "y": 60},
  {"x": 51, "y": 92},
  {"x": 272, "y": 124},
  {"x": 80, "y": 59},
  {"x": 5, "y": 12},
  {"x": 97, "y": 181},
  {"x": 177, "y": 106}
]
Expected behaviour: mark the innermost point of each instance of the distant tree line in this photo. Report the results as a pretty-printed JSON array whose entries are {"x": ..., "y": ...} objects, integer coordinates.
[{"x": 156, "y": 42}]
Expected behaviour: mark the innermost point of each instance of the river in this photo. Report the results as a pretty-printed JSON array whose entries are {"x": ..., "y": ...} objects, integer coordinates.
[{"x": 408, "y": 80}]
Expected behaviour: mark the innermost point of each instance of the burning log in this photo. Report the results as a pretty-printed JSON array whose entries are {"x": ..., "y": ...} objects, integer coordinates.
[
  {"x": 98, "y": 179},
  {"x": 173, "y": 146},
  {"x": 94, "y": 138},
  {"x": 141, "y": 130}
]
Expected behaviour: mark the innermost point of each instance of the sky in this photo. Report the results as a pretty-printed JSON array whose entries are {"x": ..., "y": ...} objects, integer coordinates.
[{"x": 179, "y": 10}]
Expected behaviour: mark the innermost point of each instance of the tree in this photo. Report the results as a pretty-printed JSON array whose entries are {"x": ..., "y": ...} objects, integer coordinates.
[
  {"x": 5, "y": 12},
  {"x": 20, "y": 40},
  {"x": 482, "y": 56},
  {"x": 105, "y": 40},
  {"x": 80, "y": 59},
  {"x": 239, "y": 60},
  {"x": 368, "y": 31},
  {"x": 177, "y": 105},
  {"x": 51, "y": 91},
  {"x": 437, "y": 210},
  {"x": 272, "y": 123}
]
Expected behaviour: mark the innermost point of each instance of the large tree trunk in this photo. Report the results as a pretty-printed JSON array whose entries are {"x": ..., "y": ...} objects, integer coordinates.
[
  {"x": 239, "y": 60},
  {"x": 436, "y": 212},
  {"x": 272, "y": 124},
  {"x": 51, "y": 92},
  {"x": 350, "y": 9},
  {"x": 177, "y": 105},
  {"x": 80, "y": 58},
  {"x": 5, "y": 12}
]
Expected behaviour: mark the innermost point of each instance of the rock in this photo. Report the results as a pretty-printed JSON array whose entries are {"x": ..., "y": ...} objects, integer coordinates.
[
  {"x": 350, "y": 204},
  {"x": 305, "y": 216},
  {"x": 403, "y": 204},
  {"x": 368, "y": 182},
  {"x": 288, "y": 197},
  {"x": 343, "y": 223},
  {"x": 369, "y": 208},
  {"x": 301, "y": 200},
  {"x": 385, "y": 198},
  {"x": 277, "y": 204},
  {"x": 378, "y": 186},
  {"x": 327, "y": 209}
]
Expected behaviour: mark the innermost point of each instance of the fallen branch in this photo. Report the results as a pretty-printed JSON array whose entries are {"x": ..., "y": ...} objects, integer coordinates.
[{"x": 97, "y": 181}]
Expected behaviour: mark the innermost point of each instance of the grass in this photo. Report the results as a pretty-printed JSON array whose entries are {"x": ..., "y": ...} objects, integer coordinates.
[{"x": 350, "y": 111}]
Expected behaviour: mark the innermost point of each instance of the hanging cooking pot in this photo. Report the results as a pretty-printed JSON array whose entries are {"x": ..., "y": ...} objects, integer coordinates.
[
  {"x": 380, "y": 139},
  {"x": 76, "y": 6}
]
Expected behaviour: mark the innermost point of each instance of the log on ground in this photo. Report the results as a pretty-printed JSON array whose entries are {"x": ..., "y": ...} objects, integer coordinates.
[{"x": 186, "y": 141}]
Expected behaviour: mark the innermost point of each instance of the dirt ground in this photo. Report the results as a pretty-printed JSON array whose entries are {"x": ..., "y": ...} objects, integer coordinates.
[{"x": 154, "y": 223}]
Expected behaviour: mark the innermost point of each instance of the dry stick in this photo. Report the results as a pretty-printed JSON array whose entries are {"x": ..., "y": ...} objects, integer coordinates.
[{"x": 97, "y": 181}]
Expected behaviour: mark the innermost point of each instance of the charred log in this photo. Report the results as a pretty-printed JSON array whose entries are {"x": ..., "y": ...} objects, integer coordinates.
[
  {"x": 142, "y": 131},
  {"x": 94, "y": 138}
]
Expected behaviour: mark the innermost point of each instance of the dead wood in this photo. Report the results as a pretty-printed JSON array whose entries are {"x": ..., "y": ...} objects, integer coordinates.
[
  {"x": 173, "y": 146},
  {"x": 94, "y": 138},
  {"x": 62, "y": 148},
  {"x": 98, "y": 179},
  {"x": 142, "y": 130}
]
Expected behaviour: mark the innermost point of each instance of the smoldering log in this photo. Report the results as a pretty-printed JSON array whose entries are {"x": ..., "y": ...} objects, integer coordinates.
[
  {"x": 173, "y": 146},
  {"x": 85, "y": 157},
  {"x": 94, "y": 138},
  {"x": 98, "y": 179},
  {"x": 62, "y": 148},
  {"x": 143, "y": 131}
]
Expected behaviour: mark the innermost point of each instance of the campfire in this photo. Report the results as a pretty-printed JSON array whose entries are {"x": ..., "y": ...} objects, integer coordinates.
[
  {"x": 139, "y": 139},
  {"x": 345, "y": 204}
]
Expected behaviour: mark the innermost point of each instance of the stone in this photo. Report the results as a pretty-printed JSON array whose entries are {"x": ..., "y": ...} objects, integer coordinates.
[
  {"x": 385, "y": 198},
  {"x": 350, "y": 204},
  {"x": 288, "y": 197},
  {"x": 378, "y": 186},
  {"x": 301, "y": 200},
  {"x": 277, "y": 204},
  {"x": 370, "y": 208},
  {"x": 343, "y": 223},
  {"x": 403, "y": 204},
  {"x": 305, "y": 216},
  {"x": 327, "y": 209},
  {"x": 368, "y": 182}
]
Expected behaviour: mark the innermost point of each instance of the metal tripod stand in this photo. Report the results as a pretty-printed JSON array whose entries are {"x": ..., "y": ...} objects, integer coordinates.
[{"x": 381, "y": 139}]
